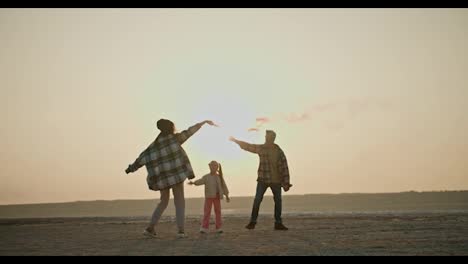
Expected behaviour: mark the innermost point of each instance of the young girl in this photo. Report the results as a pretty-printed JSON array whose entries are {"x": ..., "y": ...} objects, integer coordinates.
[{"x": 215, "y": 188}]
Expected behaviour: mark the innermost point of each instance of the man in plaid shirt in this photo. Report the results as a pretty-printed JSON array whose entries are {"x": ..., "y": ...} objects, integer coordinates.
[
  {"x": 168, "y": 166},
  {"x": 273, "y": 173}
]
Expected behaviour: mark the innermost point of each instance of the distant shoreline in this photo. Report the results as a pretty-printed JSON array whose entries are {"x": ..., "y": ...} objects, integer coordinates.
[
  {"x": 405, "y": 202},
  {"x": 266, "y": 195},
  {"x": 264, "y": 215}
]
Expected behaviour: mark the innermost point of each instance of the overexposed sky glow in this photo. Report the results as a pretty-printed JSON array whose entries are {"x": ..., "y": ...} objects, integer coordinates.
[{"x": 362, "y": 100}]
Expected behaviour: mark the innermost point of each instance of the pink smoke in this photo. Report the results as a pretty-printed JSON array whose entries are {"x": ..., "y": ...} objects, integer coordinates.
[
  {"x": 354, "y": 107},
  {"x": 262, "y": 120},
  {"x": 295, "y": 118}
]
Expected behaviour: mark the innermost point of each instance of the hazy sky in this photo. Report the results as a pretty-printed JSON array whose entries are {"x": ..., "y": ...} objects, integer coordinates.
[{"x": 371, "y": 100}]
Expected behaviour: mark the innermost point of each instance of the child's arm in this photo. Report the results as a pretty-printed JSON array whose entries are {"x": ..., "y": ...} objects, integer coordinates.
[
  {"x": 197, "y": 182},
  {"x": 225, "y": 190}
]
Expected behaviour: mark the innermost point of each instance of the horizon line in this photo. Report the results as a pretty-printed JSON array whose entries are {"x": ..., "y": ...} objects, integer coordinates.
[{"x": 199, "y": 197}]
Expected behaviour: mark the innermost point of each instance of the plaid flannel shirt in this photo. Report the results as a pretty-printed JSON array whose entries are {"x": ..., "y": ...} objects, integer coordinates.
[
  {"x": 166, "y": 161},
  {"x": 264, "y": 171}
]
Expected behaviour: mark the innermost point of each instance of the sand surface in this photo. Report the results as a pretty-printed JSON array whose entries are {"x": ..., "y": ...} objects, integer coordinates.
[{"x": 340, "y": 234}]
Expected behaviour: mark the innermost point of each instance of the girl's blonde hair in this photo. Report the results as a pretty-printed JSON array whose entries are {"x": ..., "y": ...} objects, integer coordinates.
[{"x": 220, "y": 171}]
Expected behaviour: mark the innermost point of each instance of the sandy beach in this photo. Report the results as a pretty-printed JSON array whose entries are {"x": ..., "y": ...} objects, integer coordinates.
[
  {"x": 309, "y": 234},
  {"x": 352, "y": 124}
]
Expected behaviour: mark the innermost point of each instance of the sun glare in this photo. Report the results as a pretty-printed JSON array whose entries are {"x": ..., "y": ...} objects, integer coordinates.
[{"x": 234, "y": 117}]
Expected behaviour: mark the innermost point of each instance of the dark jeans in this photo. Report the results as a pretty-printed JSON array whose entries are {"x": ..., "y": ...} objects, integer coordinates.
[{"x": 261, "y": 189}]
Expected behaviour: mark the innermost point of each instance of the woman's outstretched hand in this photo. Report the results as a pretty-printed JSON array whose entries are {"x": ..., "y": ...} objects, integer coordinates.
[
  {"x": 211, "y": 123},
  {"x": 129, "y": 169}
]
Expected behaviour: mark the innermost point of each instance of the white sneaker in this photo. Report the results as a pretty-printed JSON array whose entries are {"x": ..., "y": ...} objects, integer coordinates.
[
  {"x": 181, "y": 235},
  {"x": 149, "y": 234},
  {"x": 203, "y": 230},
  {"x": 219, "y": 231}
]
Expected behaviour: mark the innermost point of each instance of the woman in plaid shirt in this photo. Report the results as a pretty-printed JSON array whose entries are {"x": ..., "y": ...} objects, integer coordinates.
[{"x": 168, "y": 166}]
